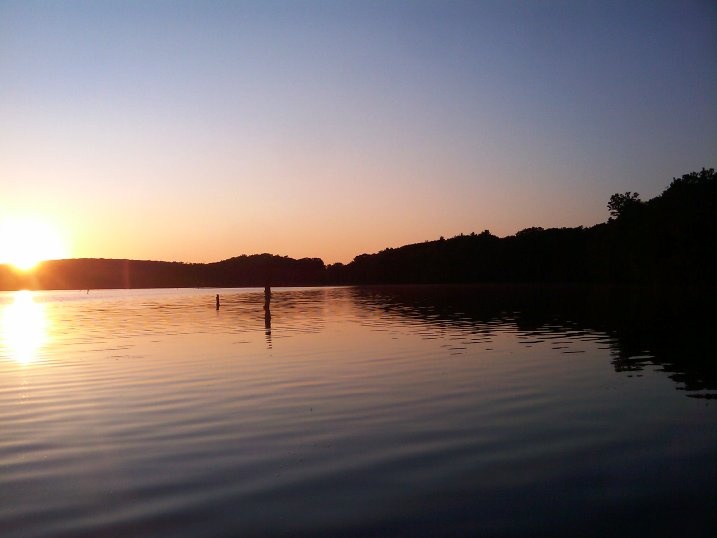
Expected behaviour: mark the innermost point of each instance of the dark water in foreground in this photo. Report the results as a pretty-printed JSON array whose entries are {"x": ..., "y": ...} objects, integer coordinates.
[{"x": 350, "y": 412}]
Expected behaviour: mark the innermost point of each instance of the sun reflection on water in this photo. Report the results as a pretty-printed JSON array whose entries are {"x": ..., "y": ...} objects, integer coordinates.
[{"x": 24, "y": 328}]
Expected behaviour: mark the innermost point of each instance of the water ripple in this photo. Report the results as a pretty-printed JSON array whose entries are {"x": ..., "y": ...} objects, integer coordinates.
[{"x": 342, "y": 411}]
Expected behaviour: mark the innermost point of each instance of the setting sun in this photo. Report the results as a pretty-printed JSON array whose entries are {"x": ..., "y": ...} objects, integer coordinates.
[{"x": 24, "y": 242}]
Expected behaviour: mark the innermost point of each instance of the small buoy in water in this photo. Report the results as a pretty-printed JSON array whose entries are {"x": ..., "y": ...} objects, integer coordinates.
[{"x": 217, "y": 301}]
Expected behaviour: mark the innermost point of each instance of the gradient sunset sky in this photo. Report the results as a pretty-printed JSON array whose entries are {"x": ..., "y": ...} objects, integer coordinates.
[{"x": 198, "y": 131}]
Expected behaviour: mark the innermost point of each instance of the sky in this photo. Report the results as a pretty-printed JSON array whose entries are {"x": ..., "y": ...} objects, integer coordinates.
[{"x": 199, "y": 131}]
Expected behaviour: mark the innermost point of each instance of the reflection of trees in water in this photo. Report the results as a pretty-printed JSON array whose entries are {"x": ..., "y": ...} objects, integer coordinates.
[
  {"x": 679, "y": 347},
  {"x": 436, "y": 309},
  {"x": 643, "y": 330}
]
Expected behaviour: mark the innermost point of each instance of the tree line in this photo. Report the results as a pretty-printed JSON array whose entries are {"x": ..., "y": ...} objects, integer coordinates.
[
  {"x": 97, "y": 273},
  {"x": 665, "y": 241}
]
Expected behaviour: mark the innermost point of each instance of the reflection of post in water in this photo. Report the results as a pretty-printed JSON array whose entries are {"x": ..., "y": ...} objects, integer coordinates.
[
  {"x": 267, "y": 318},
  {"x": 267, "y": 315}
]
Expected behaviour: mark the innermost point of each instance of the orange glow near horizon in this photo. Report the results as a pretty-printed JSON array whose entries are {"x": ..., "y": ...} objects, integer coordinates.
[{"x": 25, "y": 242}]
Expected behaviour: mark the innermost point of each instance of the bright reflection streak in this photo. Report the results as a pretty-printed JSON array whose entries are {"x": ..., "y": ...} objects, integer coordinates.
[{"x": 24, "y": 327}]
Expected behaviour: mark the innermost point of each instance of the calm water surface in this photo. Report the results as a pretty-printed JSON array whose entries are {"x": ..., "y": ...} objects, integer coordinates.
[{"x": 343, "y": 411}]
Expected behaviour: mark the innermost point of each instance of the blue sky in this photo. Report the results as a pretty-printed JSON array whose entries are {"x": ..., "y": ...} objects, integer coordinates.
[{"x": 197, "y": 131}]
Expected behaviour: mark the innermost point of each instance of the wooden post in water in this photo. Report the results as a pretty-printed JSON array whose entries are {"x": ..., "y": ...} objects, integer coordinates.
[{"x": 217, "y": 301}]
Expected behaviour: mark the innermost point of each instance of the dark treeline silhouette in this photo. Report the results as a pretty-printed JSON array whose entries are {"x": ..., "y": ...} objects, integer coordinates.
[
  {"x": 667, "y": 240},
  {"x": 664, "y": 241},
  {"x": 535, "y": 255},
  {"x": 250, "y": 271}
]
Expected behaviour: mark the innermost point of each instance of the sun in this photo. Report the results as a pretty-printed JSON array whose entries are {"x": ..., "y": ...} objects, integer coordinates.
[{"x": 25, "y": 242}]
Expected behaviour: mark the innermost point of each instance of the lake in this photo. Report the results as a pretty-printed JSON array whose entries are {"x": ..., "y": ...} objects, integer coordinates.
[{"x": 353, "y": 411}]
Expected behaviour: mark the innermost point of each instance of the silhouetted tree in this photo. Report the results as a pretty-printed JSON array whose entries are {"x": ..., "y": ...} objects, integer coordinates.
[{"x": 620, "y": 204}]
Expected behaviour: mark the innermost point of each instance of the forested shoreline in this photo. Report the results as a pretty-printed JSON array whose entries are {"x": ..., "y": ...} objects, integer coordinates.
[{"x": 665, "y": 241}]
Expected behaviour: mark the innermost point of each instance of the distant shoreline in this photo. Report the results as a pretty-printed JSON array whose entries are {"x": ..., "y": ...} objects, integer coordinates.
[{"x": 665, "y": 242}]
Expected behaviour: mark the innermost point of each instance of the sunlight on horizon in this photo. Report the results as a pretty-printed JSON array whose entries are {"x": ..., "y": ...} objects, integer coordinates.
[
  {"x": 24, "y": 328},
  {"x": 25, "y": 242}
]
